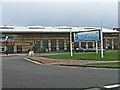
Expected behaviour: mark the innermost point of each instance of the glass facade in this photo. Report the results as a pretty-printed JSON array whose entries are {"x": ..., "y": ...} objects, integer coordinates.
[
  {"x": 76, "y": 45},
  {"x": 53, "y": 45},
  {"x": 37, "y": 43},
  {"x": 61, "y": 44},
  {"x": 19, "y": 48},
  {"x": 90, "y": 44},
  {"x": 83, "y": 44},
  {"x": 68, "y": 45},
  {"x": 51, "y": 42},
  {"x": 45, "y": 44},
  {"x": 109, "y": 44},
  {"x": 115, "y": 44},
  {"x": 104, "y": 44},
  {"x": 6, "y": 44}
]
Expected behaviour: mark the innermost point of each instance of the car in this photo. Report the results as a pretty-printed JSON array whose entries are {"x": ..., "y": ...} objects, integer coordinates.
[
  {"x": 80, "y": 50},
  {"x": 88, "y": 50}
]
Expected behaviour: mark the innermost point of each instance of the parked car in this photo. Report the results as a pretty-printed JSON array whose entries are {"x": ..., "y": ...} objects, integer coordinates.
[
  {"x": 88, "y": 50},
  {"x": 80, "y": 50}
]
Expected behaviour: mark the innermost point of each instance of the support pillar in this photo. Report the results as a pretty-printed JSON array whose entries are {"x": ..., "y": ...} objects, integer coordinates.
[
  {"x": 65, "y": 45},
  {"x": 49, "y": 45},
  {"x": 86, "y": 45},
  {"x": 57, "y": 44},
  {"x": 112, "y": 44},
  {"x": 79, "y": 44}
]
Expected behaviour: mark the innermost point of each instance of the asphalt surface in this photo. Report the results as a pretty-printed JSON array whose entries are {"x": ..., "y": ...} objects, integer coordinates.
[{"x": 18, "y": 73}]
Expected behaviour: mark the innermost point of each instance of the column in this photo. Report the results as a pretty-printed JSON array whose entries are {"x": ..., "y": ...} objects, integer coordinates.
[
  {"x": 86, "y": 45},
  {"x": 112, "y": 44},
  {"x": 15, "y": 49},
  {"x": 49, "y": 45},
  {"x": 106, "y": 45},
  {"x": 118, "y": 39},
  {"x": 57, "y": 45},
  {"x": 41, "y": 44},
  {"x": 65, "y": 45},
  {"x": 72, "y": 45},
  {"x": 79, "y": 44},
  {"x": 93, "y": 44}
]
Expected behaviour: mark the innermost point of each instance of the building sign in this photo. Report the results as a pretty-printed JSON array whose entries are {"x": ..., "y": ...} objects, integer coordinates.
[{"x": 87, "y": 36}]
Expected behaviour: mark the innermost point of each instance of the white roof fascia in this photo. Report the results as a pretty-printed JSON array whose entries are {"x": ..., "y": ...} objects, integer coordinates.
[{"x": 54, "y": 29}]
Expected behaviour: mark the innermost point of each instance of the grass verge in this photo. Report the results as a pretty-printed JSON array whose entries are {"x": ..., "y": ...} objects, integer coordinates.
[
  {"x": 108, "y": 55},
  {"x": 113, "y": 64}
]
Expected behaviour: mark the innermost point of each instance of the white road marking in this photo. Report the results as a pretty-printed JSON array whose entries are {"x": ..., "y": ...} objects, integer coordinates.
[
  {"x": 112, "y": 86},
  {"x": 33, "y": 61}
]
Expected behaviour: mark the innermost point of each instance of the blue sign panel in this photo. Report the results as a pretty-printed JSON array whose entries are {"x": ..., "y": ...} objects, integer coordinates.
[{"x": 86, "y": 36}]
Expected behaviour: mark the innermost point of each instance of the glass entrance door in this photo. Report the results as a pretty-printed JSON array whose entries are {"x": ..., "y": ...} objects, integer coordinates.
[
  {"x": 19, "y": 48},
  {"x": 10, "y": 49}
]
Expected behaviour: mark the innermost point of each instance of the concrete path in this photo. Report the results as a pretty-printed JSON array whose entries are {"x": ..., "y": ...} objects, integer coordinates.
[{"x": 65, "y": 62}]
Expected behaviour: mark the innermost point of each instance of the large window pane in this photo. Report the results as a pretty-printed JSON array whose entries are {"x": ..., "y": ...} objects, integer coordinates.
[
  {"x": 61, "y": 45},
  {"x": 53, "y": 45},
  {"x": 83, "y": 44},
  {"x": 109, "y": 42},
  {"x": 90, "y": 44},
  {"x": 115, "y": 44},
  {"x": 76, "y": 45},
  {"x": 45, "y": 44},
  {"x": 68, "y": 44}
]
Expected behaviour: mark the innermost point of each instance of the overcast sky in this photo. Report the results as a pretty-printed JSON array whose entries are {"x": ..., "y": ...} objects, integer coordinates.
[{"x": 60, "y": 13}]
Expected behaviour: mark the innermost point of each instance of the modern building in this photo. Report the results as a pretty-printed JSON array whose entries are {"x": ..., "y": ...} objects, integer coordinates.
[
  {"x": 50, "y": 39},
  {"x": 118, "y": 29}
]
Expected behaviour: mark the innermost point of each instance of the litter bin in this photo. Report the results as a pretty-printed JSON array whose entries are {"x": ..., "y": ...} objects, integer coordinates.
[{"x": 31, "y": 53}]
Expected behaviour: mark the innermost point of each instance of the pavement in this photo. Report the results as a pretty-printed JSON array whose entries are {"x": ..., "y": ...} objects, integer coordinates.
[
  {"x": 4, "y": 55},
  {"x": 61, "y": 62},
  {"x": 26, "y": 54}
]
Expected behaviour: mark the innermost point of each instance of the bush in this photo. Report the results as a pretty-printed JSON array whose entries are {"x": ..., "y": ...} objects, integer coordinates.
[{"x": 38, "y": 50}]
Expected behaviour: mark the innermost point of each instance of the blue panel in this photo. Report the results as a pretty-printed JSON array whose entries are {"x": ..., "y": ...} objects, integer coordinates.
[{"x": 86, "y": 36}]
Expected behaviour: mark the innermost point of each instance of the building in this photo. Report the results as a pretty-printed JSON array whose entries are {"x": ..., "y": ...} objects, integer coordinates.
[
  {"x": 50, "y": 39},
  {"x": 118, "y": 29}
]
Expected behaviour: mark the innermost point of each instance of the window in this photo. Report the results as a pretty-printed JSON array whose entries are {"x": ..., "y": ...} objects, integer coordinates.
[
  {"x": 109, "y": 43},
  {"x": 68, "y": 44},
  {"x": 53, "y": 45},
  {"x": 83, "y": 44},
  {"x": 104, "y": 43},
  {"x": 76, "y": 45},
  {"x": 90, "y": 44},
  {"x": 61, "y": 44},
  {"x": 115, "y": 44},
  {"x": 37, "y": 43},
  {"x": 45, "y": 44}
]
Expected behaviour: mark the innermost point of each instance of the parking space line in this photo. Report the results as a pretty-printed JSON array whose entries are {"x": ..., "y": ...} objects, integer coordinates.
[{"x": 112, "y": 86}]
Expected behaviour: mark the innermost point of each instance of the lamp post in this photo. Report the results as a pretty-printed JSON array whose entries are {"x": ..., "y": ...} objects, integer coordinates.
[
  {"x": 6, "y": 41},
  {"x": 101, "y": 35},
  {"x": 71, "y": 53}
]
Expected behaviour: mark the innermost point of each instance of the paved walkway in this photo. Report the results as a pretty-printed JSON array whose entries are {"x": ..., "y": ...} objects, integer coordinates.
[
  {"x": 57, "y": 61},
  {"x": 26, "y": 54},
  {"x": 65, "y": 62},
  {"x": 2, "y": 55}
]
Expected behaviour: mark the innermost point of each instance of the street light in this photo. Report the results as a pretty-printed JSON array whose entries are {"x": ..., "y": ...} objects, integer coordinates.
[
  {"x": 6, "y": 39},
  {"x": 71, "y": 53}
]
